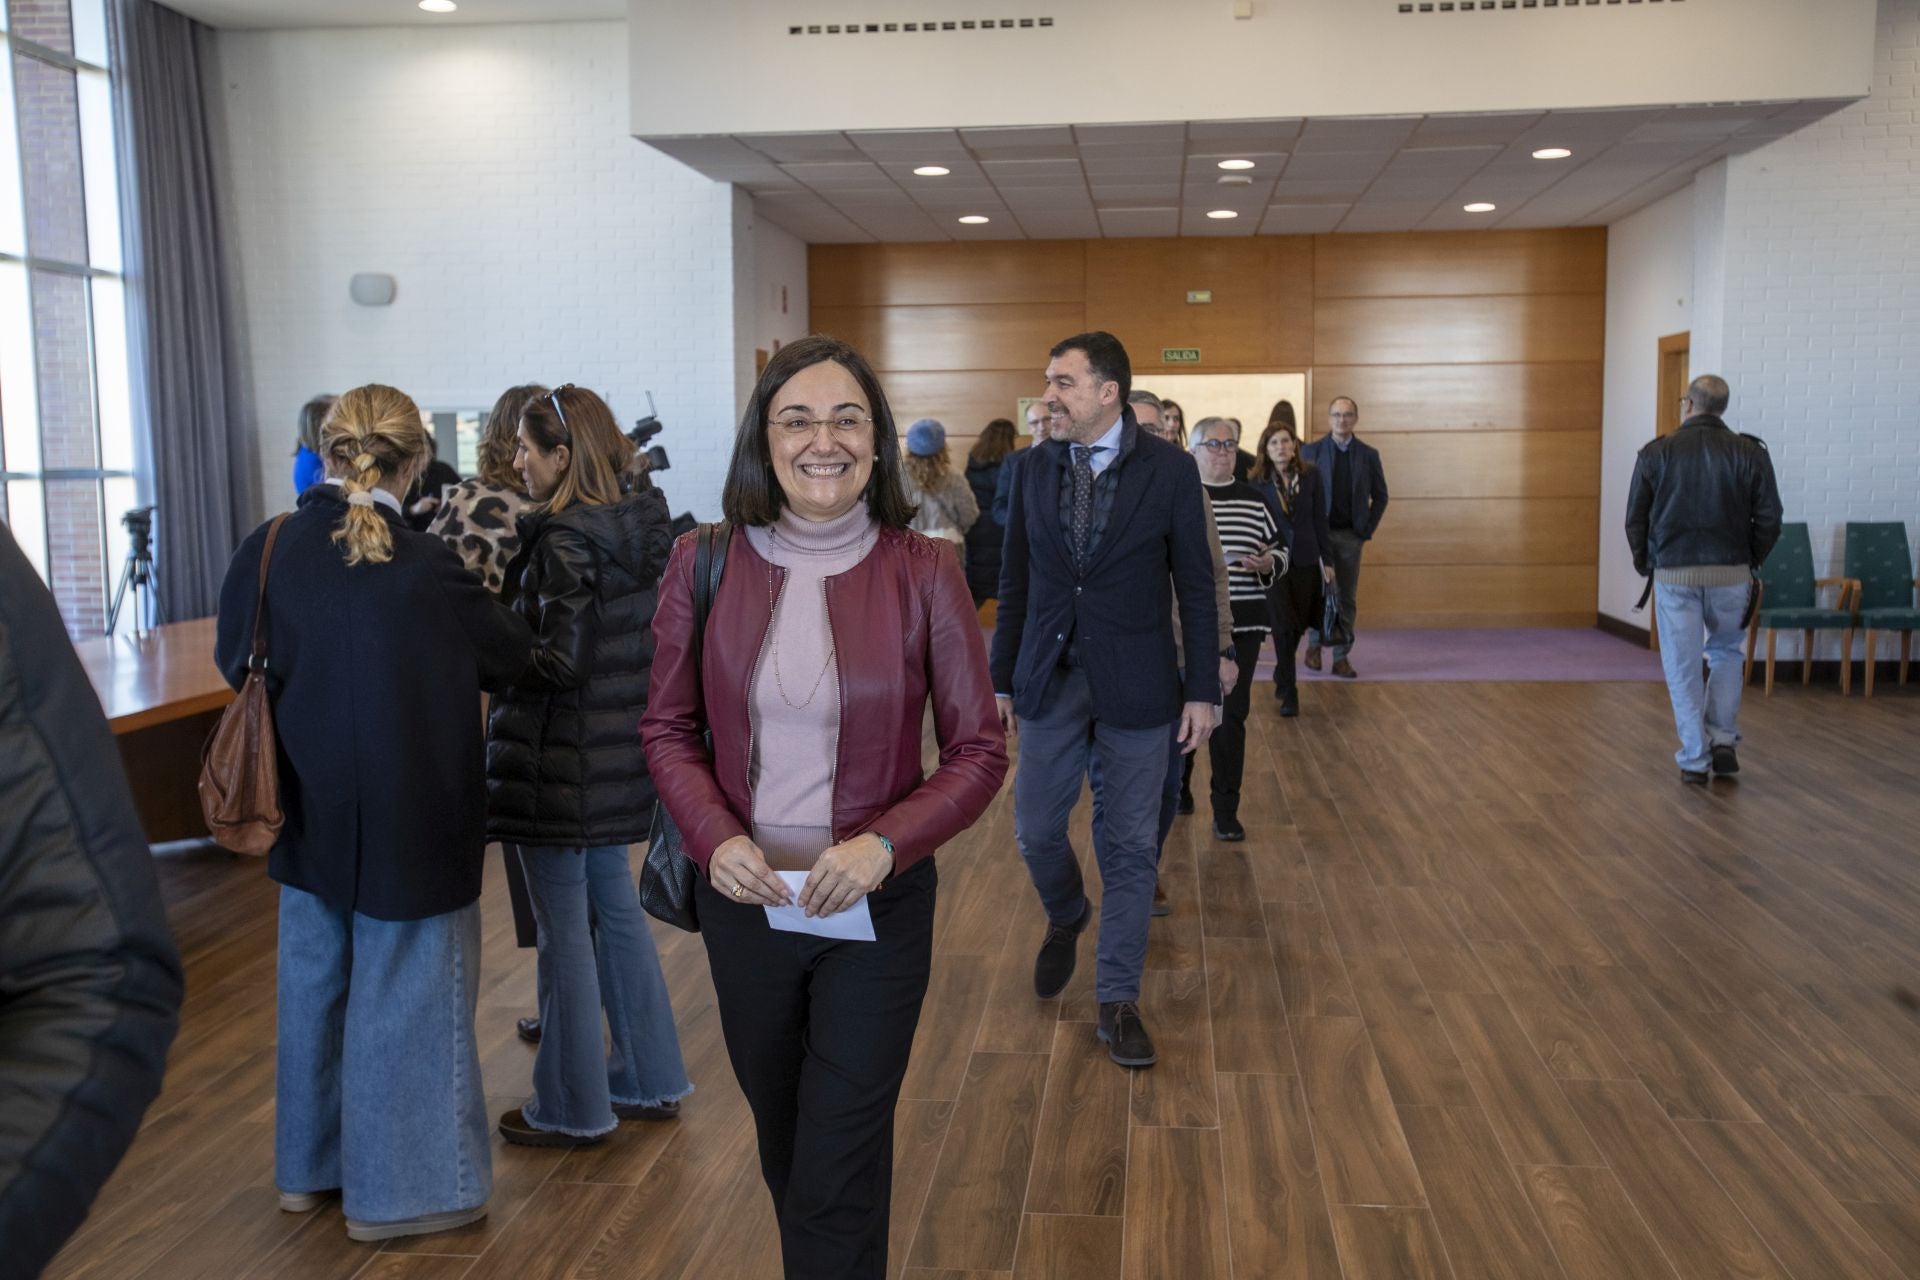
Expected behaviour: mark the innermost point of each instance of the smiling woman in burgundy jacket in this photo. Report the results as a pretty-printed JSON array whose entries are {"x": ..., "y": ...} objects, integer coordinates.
[{"x": 833, "y": 627}]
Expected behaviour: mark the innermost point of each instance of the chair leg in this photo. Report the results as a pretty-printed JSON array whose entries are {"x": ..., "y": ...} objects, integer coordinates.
[
  {"x": 1906, "y": 655},
  {"x": 1806, "y": 659},
  {"x": 1846, "y": 662},
  {"x": 1870, "y": 635},
  {"x": 1746, "y": 668},
  {"x": 1772, "y": 635}
]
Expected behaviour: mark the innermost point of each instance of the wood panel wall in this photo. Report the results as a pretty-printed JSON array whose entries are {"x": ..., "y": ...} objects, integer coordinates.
[{"x": 1475, "y": 358}]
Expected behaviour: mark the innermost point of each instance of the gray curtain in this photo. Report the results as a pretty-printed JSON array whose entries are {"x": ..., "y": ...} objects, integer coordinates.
[{"x": 198, "y": 448}]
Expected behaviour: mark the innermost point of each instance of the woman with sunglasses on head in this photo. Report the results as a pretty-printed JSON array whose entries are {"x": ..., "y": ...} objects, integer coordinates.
[
  {"x": 833, "y": 629},
  {"x": 567, "y": 783}
]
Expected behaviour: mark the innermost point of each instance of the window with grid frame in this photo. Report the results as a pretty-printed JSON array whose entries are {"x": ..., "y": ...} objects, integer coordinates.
[{"x": 66, "y": 423}]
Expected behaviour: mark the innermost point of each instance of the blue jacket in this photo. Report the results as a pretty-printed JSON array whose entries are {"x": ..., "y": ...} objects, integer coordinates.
[
  {"x": 308, "y": 470},
  {"x": 1369, "y": 480},
  {"x": 1119, "y": 614}
]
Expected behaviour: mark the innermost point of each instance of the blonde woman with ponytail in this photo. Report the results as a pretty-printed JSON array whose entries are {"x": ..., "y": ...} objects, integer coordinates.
[{"x": 378, "y": 643}]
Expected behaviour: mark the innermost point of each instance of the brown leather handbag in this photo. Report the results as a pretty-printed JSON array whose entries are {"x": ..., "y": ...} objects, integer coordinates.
[{"x": 240, "y": 766}]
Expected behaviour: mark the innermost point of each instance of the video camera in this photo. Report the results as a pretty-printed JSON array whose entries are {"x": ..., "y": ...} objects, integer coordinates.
[
  {"x": 646, "y": 429},
  {"x": 139, "y": 526}
]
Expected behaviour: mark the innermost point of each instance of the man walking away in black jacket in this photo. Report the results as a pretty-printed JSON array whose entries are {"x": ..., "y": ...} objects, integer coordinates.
[
  {"x": 1702, "y": 515},
  {"x": 89, "y": 978}
]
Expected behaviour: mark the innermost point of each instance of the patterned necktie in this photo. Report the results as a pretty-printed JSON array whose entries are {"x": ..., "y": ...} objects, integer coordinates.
[{"x": 1082, "y": 502}]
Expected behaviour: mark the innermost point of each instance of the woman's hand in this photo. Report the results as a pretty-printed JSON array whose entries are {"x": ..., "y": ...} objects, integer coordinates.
[
  {"x": 845, "y": 874},
  {"x": 1326, "y": 573},
  {"x": 1261, "y": 564},
  {"x": 739, "y": 870}
]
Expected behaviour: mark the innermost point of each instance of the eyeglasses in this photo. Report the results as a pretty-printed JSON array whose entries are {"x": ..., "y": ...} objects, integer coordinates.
[
  {"x": 553, "y": 398},
  {"x": 844, "y": 424},
  {"x": 1218, "y": 446}
]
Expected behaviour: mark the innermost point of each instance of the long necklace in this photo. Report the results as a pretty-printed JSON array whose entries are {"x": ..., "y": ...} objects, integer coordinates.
[{"x": 772, "y": 623}]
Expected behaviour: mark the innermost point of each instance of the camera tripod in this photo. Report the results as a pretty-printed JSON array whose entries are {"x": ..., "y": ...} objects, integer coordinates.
[{"x": 137, "y": 573}]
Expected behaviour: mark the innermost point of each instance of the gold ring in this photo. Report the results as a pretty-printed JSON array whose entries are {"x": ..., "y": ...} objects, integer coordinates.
[{"x": 737, "y": 890}]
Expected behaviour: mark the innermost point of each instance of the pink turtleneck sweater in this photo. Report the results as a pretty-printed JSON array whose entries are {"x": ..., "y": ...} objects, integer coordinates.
[{"x": 795, "y": 702}]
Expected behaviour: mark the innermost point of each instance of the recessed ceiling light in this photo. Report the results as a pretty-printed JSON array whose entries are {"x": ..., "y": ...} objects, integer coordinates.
[
  {"x": 438, "y": 6},
  {"x": 931, "y": 171},
  {"x": 1236, "y": 164},
  {"x": 974, "y": 219},
  {"x": 1478, "y": 206},
  {"x": 1552, "y": 153},
  {"x": 1222, "y": 214}
]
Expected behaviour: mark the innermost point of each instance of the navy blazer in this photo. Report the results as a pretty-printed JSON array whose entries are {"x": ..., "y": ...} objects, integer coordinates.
[
  {"x": 375, "y": 673},
  {"x": 1369, "y": 480},
  {"x": 1119, "y": 614}
]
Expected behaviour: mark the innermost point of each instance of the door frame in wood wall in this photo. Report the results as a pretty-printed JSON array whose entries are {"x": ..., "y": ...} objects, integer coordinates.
[
  {"x": 1672, "y": 379},
  {"x": 1675, "y": 349}
]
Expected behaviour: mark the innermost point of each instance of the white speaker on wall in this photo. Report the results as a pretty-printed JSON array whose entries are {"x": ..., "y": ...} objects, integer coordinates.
[{"x": 371, "y": 289}]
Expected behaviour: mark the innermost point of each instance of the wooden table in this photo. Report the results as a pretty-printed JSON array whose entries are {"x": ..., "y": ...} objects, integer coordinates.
[{"x": 162, "y": 695}]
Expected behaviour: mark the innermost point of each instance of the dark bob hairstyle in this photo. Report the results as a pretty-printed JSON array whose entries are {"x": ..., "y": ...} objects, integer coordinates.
[{"x": 753, "y": 495}]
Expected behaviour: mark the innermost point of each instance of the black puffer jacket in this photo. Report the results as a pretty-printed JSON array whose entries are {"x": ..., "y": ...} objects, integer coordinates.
[
  {"x": 986, "y": 535},
  {"x": 89, "y": 979},
  {"x": 1702, "y": 496},
  {"x": 564, "y": 766}
]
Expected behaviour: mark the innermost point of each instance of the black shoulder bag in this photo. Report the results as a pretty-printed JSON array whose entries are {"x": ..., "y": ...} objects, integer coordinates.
[{"x": 666, "y": 878}]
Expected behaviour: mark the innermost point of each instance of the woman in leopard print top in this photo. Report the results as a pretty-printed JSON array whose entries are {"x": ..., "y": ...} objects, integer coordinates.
[{"x": 478, "y": 517}]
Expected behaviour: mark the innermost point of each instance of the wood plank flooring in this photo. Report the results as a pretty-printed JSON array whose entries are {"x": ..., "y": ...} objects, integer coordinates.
[{"x": 1486, "y": 993}]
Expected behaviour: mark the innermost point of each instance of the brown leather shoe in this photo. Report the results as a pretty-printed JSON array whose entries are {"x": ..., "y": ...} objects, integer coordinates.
[
  {"x": 1313, "y": 657},
  {"x": 1344, "y": 669}
]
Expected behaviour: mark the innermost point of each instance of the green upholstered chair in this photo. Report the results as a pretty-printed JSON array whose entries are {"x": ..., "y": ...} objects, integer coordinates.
[
  {"x": 1878, "y": 559},
  {"x": 1790, "y": 601}
]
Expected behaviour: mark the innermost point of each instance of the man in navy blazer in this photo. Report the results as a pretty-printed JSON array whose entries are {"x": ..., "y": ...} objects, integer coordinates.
[
  {"x": 1356, "y": 490},
  {"x": 1106, "y": 525}
]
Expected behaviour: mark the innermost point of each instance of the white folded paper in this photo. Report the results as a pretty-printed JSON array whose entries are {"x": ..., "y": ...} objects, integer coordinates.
[{"x": 855, "y": 924}]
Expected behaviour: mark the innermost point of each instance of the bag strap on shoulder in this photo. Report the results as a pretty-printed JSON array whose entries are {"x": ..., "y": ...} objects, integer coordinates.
[
  {"x": 709, "y": 562},
  {"x": 258, "y": 662}
]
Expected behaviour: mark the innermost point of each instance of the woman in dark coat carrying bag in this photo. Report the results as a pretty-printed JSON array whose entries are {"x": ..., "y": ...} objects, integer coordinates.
[
  {"x": 567, "y": 783},
  {"x": 378, "y": 644},
  {"x": 1291, "y": 487}
]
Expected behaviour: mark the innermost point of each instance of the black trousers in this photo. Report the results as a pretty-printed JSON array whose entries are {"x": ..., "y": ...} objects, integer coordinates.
[
  {"x": 1295, "y": 603},
  {"x": 1227, "y": 748},
  {"x": 819, "y": 1032}
]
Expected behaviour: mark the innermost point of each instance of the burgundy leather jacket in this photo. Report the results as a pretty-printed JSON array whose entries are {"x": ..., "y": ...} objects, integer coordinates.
[{"x": 904, "y": 629}]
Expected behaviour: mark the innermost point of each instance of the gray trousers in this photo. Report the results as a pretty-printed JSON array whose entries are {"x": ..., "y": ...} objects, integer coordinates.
[
  {"x": 1057, "y": 748},
  {"x": 1343, "y": 553}
]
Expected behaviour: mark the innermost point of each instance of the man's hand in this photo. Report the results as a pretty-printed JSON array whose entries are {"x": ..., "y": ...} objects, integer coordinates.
[
  {"x": 1196, "y": 726},
  {"x": 1009, "y": 722},
  {"x": 1229, "y": 676},
  {"x": 1326, "y": 573}
]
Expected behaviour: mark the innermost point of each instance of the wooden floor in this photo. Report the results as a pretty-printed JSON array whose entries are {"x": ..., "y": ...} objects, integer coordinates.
[{"x": 1486, "y": 993}]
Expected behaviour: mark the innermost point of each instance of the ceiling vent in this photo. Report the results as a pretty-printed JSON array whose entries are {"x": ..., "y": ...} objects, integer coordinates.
[
  {"x": 1482, "y": 6},
  {"x": 917, "y": 28}
]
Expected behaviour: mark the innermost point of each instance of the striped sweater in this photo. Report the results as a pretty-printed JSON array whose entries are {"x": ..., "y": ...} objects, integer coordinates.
[{"x": 1247, "y": 528}]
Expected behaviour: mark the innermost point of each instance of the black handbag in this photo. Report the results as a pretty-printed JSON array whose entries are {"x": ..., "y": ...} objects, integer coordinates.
[
  {"x": 667, "y": 875},
  {"x": 1335, "y": 631}
]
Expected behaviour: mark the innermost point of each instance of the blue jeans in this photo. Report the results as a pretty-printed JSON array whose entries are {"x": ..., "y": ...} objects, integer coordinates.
[
  {"x": 575, "y": 1081},
  {"x": 1057, "y": 748},
  {"x": 377, "y": 1082},
  {"x": 1694, "y": 620}
]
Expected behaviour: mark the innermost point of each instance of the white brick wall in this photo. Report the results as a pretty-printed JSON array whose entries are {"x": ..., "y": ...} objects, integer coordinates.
[
  {"x": 489, "y": 170},
  {"x": 1822, "y": 319}
]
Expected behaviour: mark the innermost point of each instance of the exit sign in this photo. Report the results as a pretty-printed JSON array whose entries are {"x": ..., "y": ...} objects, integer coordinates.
[{"x": 1180, "y": 355}]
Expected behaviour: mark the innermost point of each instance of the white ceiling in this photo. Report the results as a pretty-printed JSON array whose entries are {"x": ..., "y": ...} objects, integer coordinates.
[
  {"x": 263, "y": 14},
  {"x": 1377, "y": 173}
]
